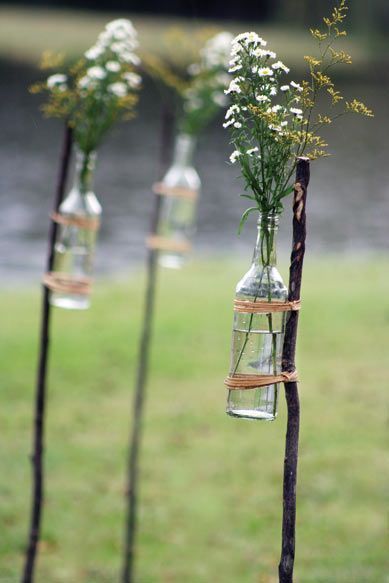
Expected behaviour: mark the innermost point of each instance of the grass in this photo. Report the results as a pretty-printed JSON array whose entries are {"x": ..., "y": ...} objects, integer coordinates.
[
  {"x": 26, "y": 32},
  {"x": 211, "y": 486}
]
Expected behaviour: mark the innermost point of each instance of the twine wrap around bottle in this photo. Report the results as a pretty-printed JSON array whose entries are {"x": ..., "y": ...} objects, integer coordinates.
[
  {"x": 82, "y": 222},
  {"x": 238, "y": 381},
  {"x": 265, "y": 307},
  {"x": 64, "y": 283},
  {"x": 163, "y": 189}
]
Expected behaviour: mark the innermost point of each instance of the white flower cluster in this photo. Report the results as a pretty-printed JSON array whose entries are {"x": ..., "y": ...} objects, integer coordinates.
[
  {"x": 258, "y": 82},
  {"x": 209, "y": 76},
  {"x": 110, "y": 59},
  {"x": 216, "y": 51}
]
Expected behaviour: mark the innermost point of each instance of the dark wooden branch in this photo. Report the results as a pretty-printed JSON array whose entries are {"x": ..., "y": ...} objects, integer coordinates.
[
  {"x": 285, "y": 568},
  {"x": 40, "y": 395},
  {"x": 142, "y": 371}
]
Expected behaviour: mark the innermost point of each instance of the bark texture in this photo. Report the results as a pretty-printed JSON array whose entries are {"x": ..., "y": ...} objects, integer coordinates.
[
  {"x": 142, "y": 372},
  {"x": 286, "y": 565},
  {"x": 37, "y": 457}
]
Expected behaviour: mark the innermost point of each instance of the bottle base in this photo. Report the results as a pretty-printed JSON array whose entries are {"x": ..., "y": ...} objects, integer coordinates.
[
  {"x": 70, "y": 302},
  {"x": 251, "y": 414}
]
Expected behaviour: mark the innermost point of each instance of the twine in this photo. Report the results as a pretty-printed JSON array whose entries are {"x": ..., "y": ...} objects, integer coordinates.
[
  {"x": 64, "y": 283},
  {"x": 87, "y": 223},
  {"x": 265, "y": 307},
  {"x": 165, "y": 244},
  {"x": 252, "y": 381},
  {"x": 178, "y": 191}
]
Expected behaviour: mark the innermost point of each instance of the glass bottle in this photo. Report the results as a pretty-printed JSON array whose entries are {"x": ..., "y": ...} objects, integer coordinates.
[
  {"x": 257, "y": 339},
  {"x": 178, "y": 213},
  {"x": 75, "y": 245}
]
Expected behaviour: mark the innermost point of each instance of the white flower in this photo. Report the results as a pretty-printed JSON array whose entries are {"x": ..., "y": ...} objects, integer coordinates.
[
  {"x": 133, "y": 79},
  {"x": 237, "y": 124},
  {"x": 265, "y": 72},
  {"x": 284, "y": 123},
  {"x": 119, "y": 89},
  {"x": 262, "y": 98},
  {"x": 234, "y": 86},
  {"x": 296, "y": 86},
  {"x": 56, "y": 80},
  {"x": 112, "y": 66},
  {"x": 280, "y": 65},
  {"x": 87, "y": 83},
  {"x": 215, "y": 52},
  {"x": 96, "y": 72},
  {"x": 120, "y": 26},
  {"x": 249, "y": 40},
  {"x": 252, "y": 151},
  {"x": 129, "y": 57},
  {"x": 275, "y": 108},
  {"x": 236, "y": 67},
  {"x": 194, "y": 69},
  {"x": 234, "y": 156},
  {"x": 118, "y": 47},
  {"x": 262, "y": 53},
  {"x": 94, "y": 52},
  {"x": 230, "y": 111},
  {"x": 296, "y": 111},
  {"x": 273, "y": 91},
  {"x": 284, "y": 87},
  {"x": 229, "y": 123}
]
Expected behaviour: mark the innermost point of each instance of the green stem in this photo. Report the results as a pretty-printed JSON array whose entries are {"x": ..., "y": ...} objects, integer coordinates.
[{"x": 267, "y": 241}]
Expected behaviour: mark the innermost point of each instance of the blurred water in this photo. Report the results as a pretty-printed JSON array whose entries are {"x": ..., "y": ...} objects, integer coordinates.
[{"x": 348, "y": 196}]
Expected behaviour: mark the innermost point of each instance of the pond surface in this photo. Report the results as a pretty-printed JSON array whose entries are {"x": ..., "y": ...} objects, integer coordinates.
[{"x": 348, "y": 196}]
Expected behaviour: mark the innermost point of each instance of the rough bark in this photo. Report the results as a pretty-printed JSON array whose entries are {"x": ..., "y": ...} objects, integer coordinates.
[
  {"x": 285, "y": 568},
  {"x": 37, "y": 457},
  {"x": 142, "y": 373}
]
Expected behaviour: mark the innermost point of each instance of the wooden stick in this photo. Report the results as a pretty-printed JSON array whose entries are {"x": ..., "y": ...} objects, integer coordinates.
[
  {"x": 285, "y": 568},
  {"x": 142, "y": 371},
  {"x": 40, "y": 395}
]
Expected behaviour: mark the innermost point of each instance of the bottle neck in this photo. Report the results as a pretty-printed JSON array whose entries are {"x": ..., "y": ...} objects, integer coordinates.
[
  {"x": 183, "y": 150},
  {"x": 85, "y": 165},
  {"x": 265, "y": 252}
]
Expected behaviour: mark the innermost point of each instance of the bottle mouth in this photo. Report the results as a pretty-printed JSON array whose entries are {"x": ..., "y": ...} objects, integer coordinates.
[{"x": 268, "y": 220}]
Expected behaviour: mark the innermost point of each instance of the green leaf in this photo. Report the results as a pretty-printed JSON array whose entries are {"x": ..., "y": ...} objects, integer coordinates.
[
  {"x": 245, "y": 216},
  {"x": 249, "y": 196},
  {"x": 287, "y": 191}
]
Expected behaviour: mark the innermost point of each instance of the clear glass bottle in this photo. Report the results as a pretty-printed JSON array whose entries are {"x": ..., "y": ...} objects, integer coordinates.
[
  {"x": 75, "y": 245},
  {"x": 178, "y": 213},
  {"x": 257, "y": 338}
]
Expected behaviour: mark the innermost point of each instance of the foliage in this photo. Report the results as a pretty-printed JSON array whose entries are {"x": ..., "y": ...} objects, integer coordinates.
[
  {"x": 98, "y": 89},
  {"x": 274, "y": 121}
]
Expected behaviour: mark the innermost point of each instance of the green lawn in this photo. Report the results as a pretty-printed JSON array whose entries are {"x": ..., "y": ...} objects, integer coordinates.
[
  {"x": 26, "y": 32},
  {"x": 211, "y": 486}
]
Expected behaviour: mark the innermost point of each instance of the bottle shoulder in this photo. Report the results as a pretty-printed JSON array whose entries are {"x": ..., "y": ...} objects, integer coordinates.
[
  {"x": 262, "y": 282},
  {"x": 80, "y": 203},
  {"x": 183, "y": 176}
]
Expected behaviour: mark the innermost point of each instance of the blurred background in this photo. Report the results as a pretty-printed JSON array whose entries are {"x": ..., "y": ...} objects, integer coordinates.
[
  {"x": 348, "y": 200},
  {"x": 211, "y": 487}
]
